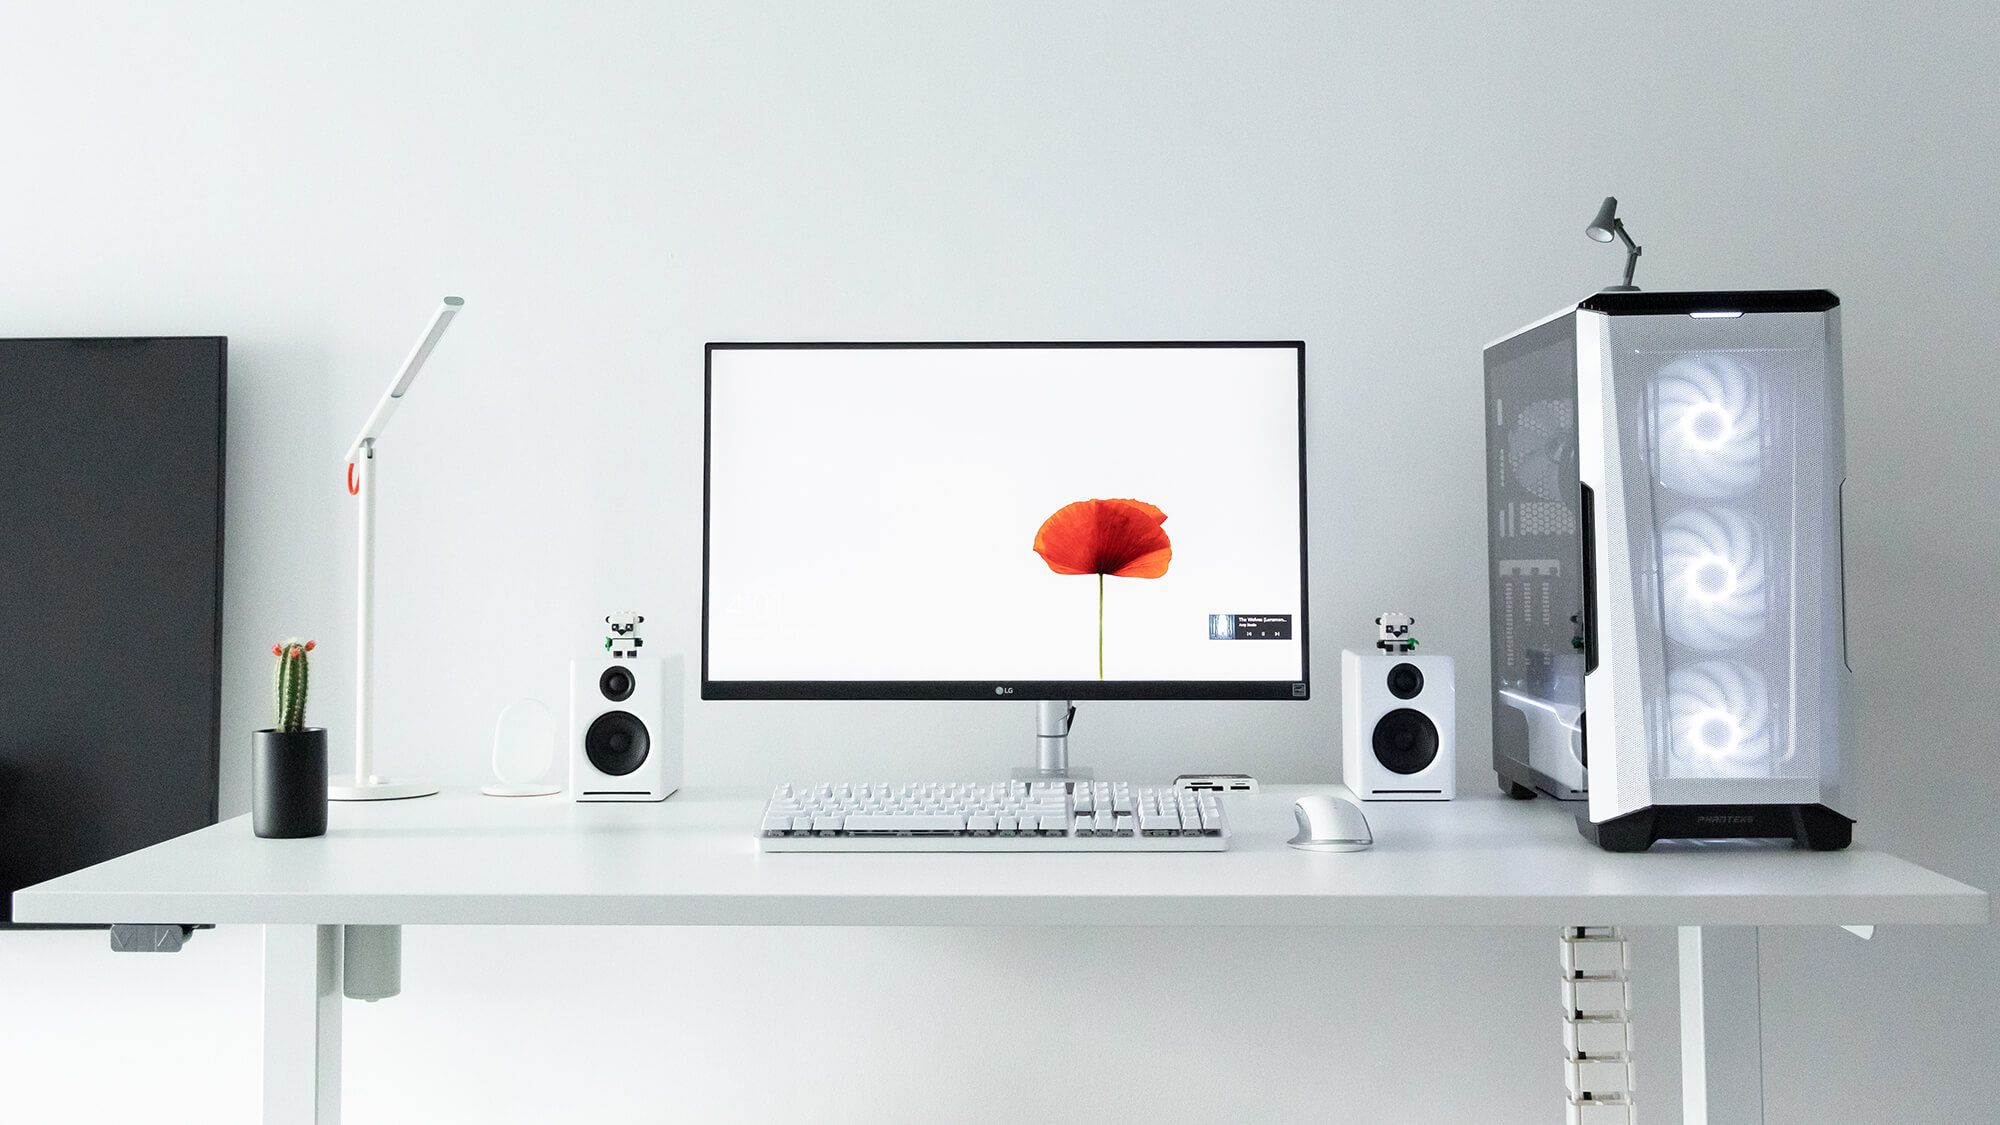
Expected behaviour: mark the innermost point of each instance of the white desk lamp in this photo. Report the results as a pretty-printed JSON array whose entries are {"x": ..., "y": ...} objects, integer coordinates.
[{"x": 364, "y": 785}]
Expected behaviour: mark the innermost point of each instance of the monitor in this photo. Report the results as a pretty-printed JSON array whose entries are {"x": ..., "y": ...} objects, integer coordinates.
[
  {"x": 110, "y": 598},
  {"x": 1048, "y": 521}
]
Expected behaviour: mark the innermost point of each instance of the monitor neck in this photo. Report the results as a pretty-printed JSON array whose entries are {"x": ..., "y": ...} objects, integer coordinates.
[{"x": 1053, "y": 718}]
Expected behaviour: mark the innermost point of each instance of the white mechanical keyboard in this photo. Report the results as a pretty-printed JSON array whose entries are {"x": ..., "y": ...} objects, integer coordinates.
[{"x": 992, "y": 816}]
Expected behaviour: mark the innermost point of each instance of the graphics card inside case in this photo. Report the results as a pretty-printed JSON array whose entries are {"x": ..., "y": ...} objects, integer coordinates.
[{"x": 1664, "y": 479}]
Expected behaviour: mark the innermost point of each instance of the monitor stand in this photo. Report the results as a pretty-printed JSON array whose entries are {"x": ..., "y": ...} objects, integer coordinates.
[{"x": 1052, "y": 721}]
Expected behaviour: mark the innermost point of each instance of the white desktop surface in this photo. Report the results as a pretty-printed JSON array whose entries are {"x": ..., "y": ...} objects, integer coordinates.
[{"x": 462, "y": 858}]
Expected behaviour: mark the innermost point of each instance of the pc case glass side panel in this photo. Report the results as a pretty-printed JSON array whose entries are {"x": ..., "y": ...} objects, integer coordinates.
[
  {"x": 1731, "y": 509},
  {"x": 1535, "y": 552}
]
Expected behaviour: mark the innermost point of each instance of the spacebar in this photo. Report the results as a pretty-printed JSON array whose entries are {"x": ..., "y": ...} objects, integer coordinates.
[{"x": 914, "y": 822}]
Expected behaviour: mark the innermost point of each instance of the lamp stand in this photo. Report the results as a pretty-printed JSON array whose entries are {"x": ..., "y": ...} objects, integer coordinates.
[
  {"x": 1631, "y": 260},
  {"x": 363, "y": 785}
]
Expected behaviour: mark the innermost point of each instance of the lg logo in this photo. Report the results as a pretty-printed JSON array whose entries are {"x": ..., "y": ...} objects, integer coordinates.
[{"x": 1003, "y": 690}]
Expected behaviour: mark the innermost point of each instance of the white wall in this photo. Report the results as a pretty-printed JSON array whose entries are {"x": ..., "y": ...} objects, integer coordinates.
[{"x": 609, "y": 185}]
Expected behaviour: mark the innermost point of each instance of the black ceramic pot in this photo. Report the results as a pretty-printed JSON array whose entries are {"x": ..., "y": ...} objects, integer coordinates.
[{"x": 288, "y": 783}]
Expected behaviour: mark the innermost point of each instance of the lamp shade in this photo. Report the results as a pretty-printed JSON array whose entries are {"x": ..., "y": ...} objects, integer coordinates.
[{"x": 1604, "y": 227}]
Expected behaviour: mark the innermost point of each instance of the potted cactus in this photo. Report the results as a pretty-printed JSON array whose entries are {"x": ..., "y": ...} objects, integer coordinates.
[{"x": 288, "y": 761}]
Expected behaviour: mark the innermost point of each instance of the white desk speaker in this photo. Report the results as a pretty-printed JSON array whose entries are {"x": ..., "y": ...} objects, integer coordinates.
[
  {"x": 625, "y": 728},
  {"x": 1400, "y": 734}
]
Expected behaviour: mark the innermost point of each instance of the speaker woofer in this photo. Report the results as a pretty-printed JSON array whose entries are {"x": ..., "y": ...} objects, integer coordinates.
[
  {"x": 616, "y": 684},
  {"x": 1406, "y": 681},
  {"x": 617, "y": 742},
  {"x": 1406, "y": 741}
]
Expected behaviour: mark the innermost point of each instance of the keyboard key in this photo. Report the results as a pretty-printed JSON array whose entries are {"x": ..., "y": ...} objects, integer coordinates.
[{"x": 906, "y": 822}]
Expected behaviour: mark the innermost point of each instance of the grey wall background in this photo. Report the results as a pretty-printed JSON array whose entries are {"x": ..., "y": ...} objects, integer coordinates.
[{"x": 609, "y": 185}]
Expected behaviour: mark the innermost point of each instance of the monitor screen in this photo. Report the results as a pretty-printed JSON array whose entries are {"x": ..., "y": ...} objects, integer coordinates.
[{"x": 958, "y": 521}]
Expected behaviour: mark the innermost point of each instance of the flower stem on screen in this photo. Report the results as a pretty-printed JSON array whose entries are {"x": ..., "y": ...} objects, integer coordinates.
[{"x": 1100, "y": 625}]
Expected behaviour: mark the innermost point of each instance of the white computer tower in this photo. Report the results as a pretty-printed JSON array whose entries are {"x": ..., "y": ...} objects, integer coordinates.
[{"x": 1664, "y": 480}]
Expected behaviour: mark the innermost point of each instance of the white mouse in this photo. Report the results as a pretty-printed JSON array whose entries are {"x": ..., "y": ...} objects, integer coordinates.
[{"x": 1330, "y": 824}]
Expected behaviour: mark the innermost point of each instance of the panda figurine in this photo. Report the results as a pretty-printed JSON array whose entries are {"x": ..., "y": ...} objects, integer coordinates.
[
  {"x": 624, "y": 641},
  {"x": 1392, "y": 633}
]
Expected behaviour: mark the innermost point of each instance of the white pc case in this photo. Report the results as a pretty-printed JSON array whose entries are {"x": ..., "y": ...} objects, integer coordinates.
[{"x": 1702, "y": 556}]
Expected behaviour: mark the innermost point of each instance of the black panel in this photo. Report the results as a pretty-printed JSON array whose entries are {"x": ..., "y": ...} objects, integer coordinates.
[
  {"x": 1749, "y": 301},
  {"x": 1808, "y": 826},
  {"x": 111, "y": 611}
]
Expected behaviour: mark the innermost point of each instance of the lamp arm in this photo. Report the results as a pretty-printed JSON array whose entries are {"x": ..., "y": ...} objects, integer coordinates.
[
  {"x": 378, "y": 418},
  {"x": 1631, "y": 249}
]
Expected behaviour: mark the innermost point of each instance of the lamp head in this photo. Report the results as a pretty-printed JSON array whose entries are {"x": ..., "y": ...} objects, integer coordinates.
[
  {"x": 1604, "y": 227},
  {"x": 439, "y": 322}
]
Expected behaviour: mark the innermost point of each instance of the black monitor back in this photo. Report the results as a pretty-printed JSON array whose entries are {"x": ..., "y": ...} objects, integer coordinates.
[{"x": 111, "y": 459}]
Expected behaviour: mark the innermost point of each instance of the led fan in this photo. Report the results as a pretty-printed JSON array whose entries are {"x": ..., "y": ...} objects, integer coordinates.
[
  {"x": 1706, "y": 410},
  {"x": 1713, "y": 586},
  {"x": 1721, "y": 722}
]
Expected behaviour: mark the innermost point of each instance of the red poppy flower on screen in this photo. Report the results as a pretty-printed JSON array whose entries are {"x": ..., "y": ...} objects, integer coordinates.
[{"x": 1121, "y": 538}]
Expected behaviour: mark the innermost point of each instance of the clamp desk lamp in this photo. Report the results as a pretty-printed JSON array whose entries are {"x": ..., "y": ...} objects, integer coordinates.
[
  {"x": 364, "y": 785},
  {"x": 1608, "y": 226}
]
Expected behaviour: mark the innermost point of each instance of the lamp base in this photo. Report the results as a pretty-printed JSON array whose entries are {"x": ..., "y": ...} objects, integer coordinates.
[{"x": 342, "y": 788}]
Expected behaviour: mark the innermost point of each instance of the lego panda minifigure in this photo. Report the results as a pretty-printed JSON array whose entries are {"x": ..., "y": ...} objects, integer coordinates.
[
  {"x": 624, "y": 641},
  {"x": 1392, "y": 633}
]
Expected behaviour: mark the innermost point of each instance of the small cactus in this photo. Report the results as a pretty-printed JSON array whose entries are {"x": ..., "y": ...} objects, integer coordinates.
[{"x": 290, "y": 684}]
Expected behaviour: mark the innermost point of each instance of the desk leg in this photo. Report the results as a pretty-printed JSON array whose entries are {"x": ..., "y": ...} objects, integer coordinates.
[
  {"x": 1722, "y": 1038},
  {"x": 301, "y": 1025}
]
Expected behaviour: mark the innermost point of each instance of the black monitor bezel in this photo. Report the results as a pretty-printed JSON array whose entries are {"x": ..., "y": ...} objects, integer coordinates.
[{"x": 1004, "y": 689}]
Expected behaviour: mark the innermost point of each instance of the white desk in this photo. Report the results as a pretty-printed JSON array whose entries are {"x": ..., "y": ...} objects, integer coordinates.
[{"x": 463, "y": 859}]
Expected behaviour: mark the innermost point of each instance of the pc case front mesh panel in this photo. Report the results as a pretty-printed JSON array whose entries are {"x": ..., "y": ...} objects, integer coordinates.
[
  {"x": 1731, "y": 429},
  {"x": 1535, "y": 554}
]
